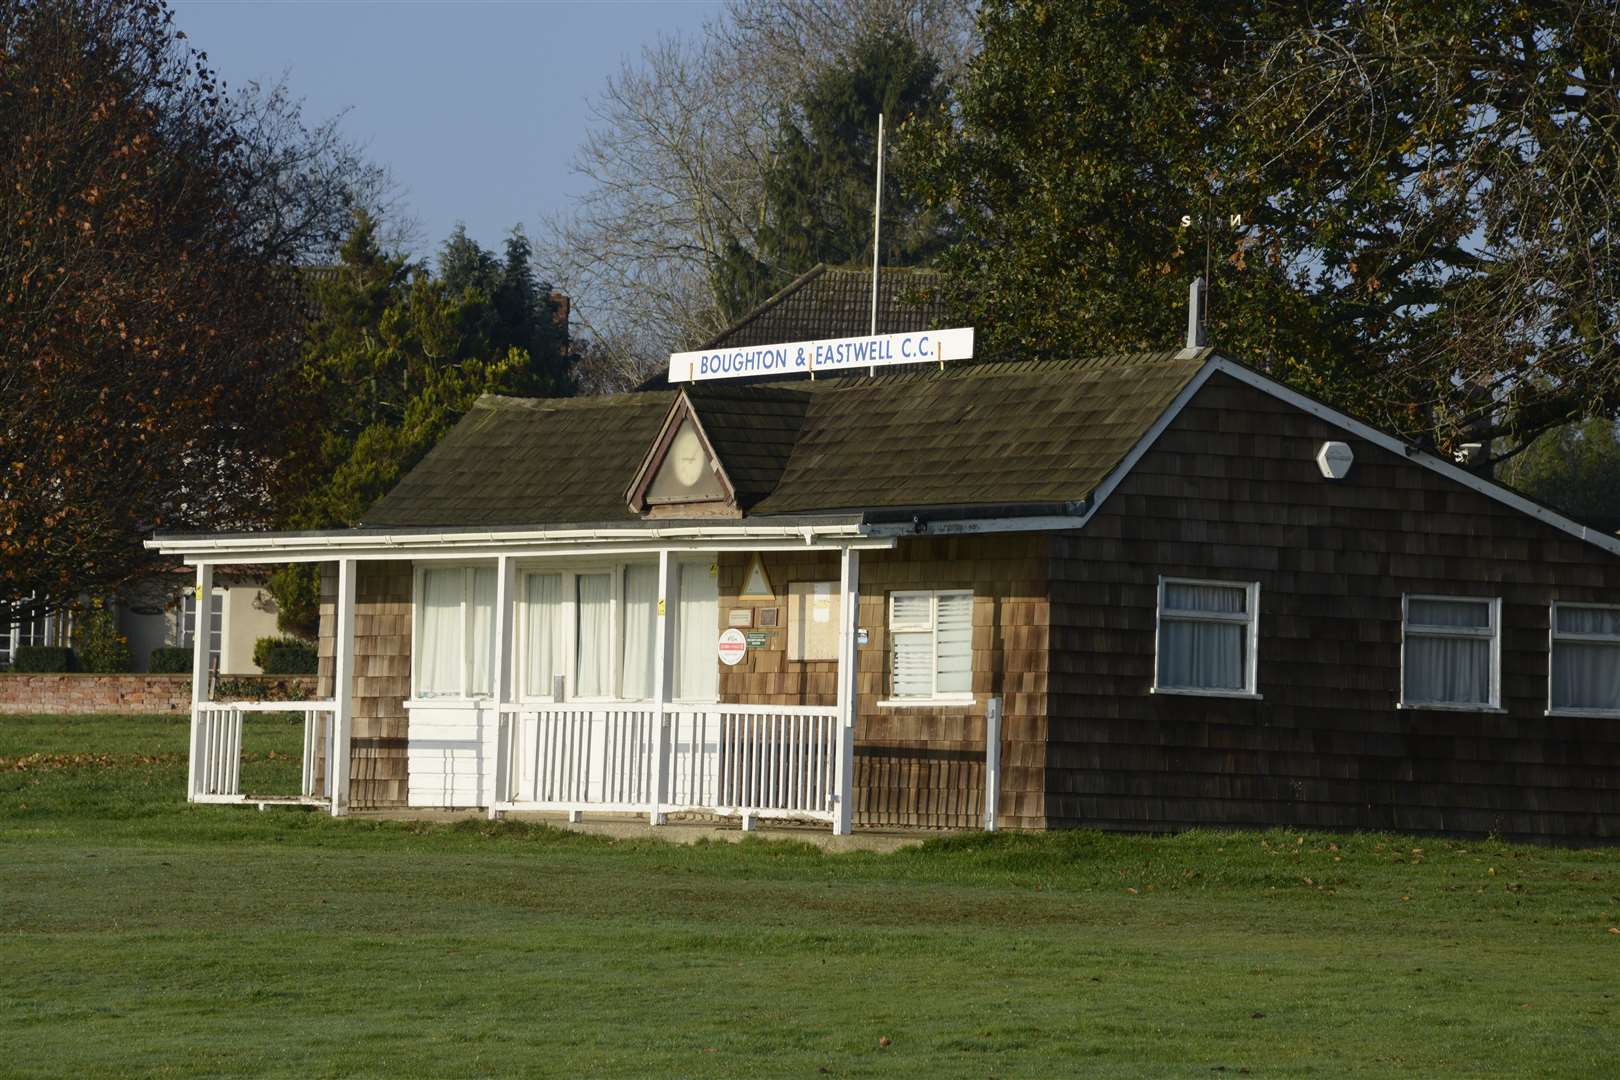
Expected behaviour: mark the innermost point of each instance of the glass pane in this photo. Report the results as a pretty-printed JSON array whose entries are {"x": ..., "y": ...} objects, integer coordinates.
[
  {"x": 1577, "y": 620},
  {"x": 913, "y": 674},
  {"x": 439, "y": 667},
  {"x": 640, "y": 627},
  {"x": 594, "y": 656},
  {"x": 697, "y": 668},
  {"x": 542, "y": 633},
  {"x": 1585, "y": 675},
  {"x": 1203, "y": 655},
  {"x": 1476, "y": 613},
  {"x": 1222, "y": 599},
  {"x": 1448, "y": 671},
  {"x": 911, "y": 611},
  {"x": 953, "y": 644}
]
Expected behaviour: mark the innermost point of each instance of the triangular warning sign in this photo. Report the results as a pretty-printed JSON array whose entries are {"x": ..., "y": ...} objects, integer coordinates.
[{"x": 756, "y": 584}]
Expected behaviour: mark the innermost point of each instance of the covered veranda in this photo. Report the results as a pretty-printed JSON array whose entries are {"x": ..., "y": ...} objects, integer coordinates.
[{"x": 553, "y": 680}]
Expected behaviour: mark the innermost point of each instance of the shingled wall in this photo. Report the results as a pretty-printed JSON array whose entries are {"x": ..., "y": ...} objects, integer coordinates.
[
  {"x": 1231, "y": 492},
  {"x": 382, "y": 670},
  {"x": 917, "y": 766}
]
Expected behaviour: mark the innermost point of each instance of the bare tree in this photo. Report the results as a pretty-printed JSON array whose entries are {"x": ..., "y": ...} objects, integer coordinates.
[
  {"x": 678, "y": 155},
  {"x": 1454, "y": 178}
]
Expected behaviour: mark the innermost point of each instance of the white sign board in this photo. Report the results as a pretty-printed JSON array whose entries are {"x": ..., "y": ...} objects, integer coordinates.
[
  {"x": 732, "y": 647},
  {"x": 831, "y": 355}
]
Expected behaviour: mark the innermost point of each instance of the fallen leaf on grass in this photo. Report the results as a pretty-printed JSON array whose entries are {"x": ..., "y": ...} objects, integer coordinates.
[
  {"x": 1129, "y": 889},
  {"x": 1614, "y": 929},
  {"x": 883, "y": 1040}
]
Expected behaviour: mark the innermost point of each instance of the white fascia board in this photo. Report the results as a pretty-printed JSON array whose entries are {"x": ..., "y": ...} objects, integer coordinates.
[
  {"x": 520, "y": 544},
  {"x": 1434, "y": 464}
]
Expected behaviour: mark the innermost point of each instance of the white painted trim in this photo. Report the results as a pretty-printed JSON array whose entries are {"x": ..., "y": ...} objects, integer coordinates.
[
  {"x": 518, "y": 543},
  {"x": 339, "y": 764},
  {"x": 199, "y": 677},
  {"x": 1394, "y": 445},
  {"x": 1235, "y": 695},
  {"x": 926, "y": 703},
  {"x": 849, "y": 599}
]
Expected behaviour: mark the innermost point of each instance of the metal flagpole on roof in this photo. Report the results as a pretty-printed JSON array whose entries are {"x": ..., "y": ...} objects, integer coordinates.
[{"x": 877, "y": 228}]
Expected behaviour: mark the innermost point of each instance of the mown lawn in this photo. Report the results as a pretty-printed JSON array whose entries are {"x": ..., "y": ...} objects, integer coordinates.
[{"x": 140, "y": 936}]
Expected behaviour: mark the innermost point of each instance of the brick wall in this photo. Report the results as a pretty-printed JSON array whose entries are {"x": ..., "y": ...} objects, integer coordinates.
[
  {"x": 20, "y": 693},
  {"x": 919, "y": 766},
  {"x": 382, "y": 677}
]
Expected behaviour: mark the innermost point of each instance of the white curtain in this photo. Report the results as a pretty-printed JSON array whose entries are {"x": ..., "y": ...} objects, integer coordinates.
[
  {"x": 697, "y": 670},
  {"x": 1586, "y": 674},
  {"x": 594, "y": 654},
  {"x": 1196, "y": 654},
  {"x": 640, "y": 626},
  {"x": 481, "y": 634},
  {"x": 542, "y": 633},
  {"x": 439, "y": 664},
  {"x": 1447, "y": 671},
  {"x": 1443, "y": 670}
]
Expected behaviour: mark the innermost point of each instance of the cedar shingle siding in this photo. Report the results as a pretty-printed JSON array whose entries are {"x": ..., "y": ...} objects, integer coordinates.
[{"x": 1231, "y": 492}]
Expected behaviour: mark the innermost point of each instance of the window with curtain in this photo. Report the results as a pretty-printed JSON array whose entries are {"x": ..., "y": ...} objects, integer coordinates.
[
  {"x": 1585, "y": 672},
  {"x": 542, "y": 633},
  {"x": 456, "y": 632},
  {"x": 1450, "y": 651},
  {"x": 697, "y": 669},
  {"x": 593, "y": 636},
  {"x": 640, "y": 628},
  {"x": 931, "y": 644},
  {"x": 1207, "y": 631}
]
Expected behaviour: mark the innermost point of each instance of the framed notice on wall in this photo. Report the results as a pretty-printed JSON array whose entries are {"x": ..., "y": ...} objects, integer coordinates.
[{"x": 813, "y": 620}]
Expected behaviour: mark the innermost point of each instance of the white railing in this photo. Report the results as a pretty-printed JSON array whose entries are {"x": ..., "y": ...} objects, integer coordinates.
[
  {"x": 216, "y": 751},
  {"x": 735, "y": 760}
]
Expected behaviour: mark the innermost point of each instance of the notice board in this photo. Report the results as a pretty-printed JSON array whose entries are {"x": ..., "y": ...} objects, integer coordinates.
[{"x": 813, "y": 620}]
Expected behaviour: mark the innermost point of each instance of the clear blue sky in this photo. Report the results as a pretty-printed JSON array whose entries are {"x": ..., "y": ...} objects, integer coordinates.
[{"x": 475, "y": 106}]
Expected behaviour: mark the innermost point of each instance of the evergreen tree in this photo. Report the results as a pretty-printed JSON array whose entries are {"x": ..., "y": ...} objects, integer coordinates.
[
  {"x": 818, "y": 186},
  {"x": 395, "y": 355}
]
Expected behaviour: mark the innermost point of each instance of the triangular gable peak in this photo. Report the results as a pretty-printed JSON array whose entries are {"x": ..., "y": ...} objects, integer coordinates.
[{"x": 681, "y": 476}]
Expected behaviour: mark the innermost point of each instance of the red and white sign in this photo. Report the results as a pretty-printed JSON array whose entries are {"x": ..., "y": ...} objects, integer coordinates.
[{"x": 732, "y": 647}]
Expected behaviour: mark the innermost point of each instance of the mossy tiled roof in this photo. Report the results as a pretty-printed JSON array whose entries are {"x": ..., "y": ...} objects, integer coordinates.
[
  {"x": 973, "y": 434},
  {"x": 517, "y": 461}
]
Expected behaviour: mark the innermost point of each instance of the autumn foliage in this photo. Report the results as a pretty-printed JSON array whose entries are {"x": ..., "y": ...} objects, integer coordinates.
[{"x": 144, "y": 328}]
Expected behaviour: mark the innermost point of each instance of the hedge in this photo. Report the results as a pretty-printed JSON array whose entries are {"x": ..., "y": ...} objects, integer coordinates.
[
  {"x": 170, "y": 660},
  {"x": 298, "y": 658},
  {"x": 48, "y": 659}
]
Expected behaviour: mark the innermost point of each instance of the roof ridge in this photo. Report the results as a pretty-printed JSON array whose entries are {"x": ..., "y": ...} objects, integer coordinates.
[{"x": 768, "y": 303}]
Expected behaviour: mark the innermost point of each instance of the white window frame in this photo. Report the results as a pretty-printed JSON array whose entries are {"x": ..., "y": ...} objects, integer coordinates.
[
  {"x": 1249, "y": 617},
  {"x": 216, "y": 625},
  {"x": 1554, "y": 636},
  {"x": 935, "y": 697},
  {"x": 1494, "y": 632},
  {"x": 419, "y": 610}
]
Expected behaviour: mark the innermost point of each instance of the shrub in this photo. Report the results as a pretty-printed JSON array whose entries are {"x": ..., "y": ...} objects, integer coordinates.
[
  {"x": 297, "y": 658},
  {"x": 170, "y": 660},
  {"x": 48, "y": 659},
  {"x": 98, "y": 644},
  {"x": 262, "y": 647}
]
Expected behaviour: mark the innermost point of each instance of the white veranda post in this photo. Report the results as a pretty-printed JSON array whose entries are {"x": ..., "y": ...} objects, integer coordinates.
[
  {"x": 849, "y": 588},
  {"x": 663, "y": 681},
  {"x": 342, "y": 688},
  {"x": 202, "y": 629},
  {"x": 505, "y": 693}
]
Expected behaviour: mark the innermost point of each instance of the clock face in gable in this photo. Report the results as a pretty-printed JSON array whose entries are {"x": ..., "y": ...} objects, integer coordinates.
[
  {"x": 686, "y": 474},
  {"x": 686, "y": 457}
]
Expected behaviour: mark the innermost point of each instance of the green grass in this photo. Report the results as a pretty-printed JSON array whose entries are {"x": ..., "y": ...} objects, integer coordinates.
[{"x": 142, "y": 936}]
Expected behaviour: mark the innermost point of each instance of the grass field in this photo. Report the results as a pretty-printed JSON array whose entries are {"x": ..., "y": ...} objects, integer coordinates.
[{"x": 142, "y": 936}]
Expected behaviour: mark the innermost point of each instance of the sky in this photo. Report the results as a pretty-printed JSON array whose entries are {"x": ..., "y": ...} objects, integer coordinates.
[{"x": 475, "y": 106}]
